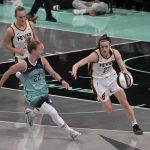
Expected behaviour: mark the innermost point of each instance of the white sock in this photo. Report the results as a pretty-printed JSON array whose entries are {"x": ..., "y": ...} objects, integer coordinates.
[
  {"x": 134, "y": 122},
  {"x": 67, "y": 128},
  {"x": 51, "y": 111}
]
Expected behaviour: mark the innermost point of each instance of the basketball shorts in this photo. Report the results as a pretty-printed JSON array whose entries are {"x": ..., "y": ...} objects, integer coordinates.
[{"x": 105, "y": 87}]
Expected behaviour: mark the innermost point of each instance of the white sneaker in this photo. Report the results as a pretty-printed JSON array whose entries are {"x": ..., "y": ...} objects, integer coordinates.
[
  {"x": 20, "y": 77},
  {"x": 79, "y": 12},
  {"x": 18, "y": 74},
  {"x": 74, "y": 134},
  {"x": 29, "y": 118}
]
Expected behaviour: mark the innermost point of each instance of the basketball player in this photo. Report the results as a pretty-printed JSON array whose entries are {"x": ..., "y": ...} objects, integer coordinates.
[
  {"x": 16, "y": 35},
  {"x": 35, "y": 87},
  {"x": 104, "y": 77}
]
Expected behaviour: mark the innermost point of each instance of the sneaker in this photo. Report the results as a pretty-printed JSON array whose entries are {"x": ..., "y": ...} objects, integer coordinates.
[
  {"x": 20, "y": 77},
  {"x": 56, "y": 7},
  {"x": 79, "y": 12},
  {"x": 18, "y": 74},
  {"x": 137, "y": 130},
  {"x": 52, "y": 19},
  {"x": 32, "y": 18},
  {"x": 29, "y": 117},
  {"x": 74, "y": 134}
]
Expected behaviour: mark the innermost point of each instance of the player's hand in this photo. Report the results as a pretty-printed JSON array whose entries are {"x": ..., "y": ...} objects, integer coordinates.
[
  {"x": 73, "y": 73},
  {"x": 65, "y": 84},
  {"x": 125, "y": 71},
  {"x": 20, "y": 51}
]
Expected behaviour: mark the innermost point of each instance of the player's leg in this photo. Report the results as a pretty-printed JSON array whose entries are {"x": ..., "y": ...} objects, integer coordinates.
[
  {"x": 44, "y": 107},
  {"x": 81, "y": 7},
  {"x": 100, "y": 8},
  {"x": 121, "y": 96},
  {"x": 102, "y": 94},
  {"x": 79, "y": 4}
]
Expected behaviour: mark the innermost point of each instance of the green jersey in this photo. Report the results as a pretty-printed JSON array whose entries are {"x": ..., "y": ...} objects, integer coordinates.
[{"x": 34, "y": 80}]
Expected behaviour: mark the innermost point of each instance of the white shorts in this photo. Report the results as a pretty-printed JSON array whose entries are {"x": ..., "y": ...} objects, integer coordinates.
[{"x": 105, "y": 87}]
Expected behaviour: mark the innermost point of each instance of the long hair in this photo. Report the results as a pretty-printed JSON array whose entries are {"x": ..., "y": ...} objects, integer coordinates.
[
  {"x": 103, "y": 38},
  {"x": 19, "y": 8}
]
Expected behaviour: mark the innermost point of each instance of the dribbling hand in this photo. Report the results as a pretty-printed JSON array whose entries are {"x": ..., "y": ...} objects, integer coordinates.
[{"x": 125, "y": 71}]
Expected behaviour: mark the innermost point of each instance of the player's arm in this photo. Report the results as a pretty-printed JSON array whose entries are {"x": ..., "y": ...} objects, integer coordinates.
[
  {"x": 120, "y": 62},
  {"x": 93, "y": 57},
  {"x": 54, "y": 74},
  {"x": 35, "y": 36},
  {"x": 21, "y": 66},
  {"x": 9, "y": 34}
]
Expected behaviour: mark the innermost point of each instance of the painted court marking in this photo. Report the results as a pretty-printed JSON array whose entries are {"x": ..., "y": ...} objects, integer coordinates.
[
  {"x": 134, "y": 69},
  {"x": 49, "y": 126}
]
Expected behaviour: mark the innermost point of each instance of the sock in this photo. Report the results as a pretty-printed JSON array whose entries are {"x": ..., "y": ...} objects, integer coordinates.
[
  {"x": 134, "y": 122},
  {"x": 51, "y": 111},
  {"x": 67, "y": 128}
]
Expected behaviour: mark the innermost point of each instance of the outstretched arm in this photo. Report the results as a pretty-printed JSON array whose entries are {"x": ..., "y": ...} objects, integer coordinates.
[
  {"x": 55, "y": 75},
  {"x": 93, "y": 57},
  {"x": 21, "y": 66}
]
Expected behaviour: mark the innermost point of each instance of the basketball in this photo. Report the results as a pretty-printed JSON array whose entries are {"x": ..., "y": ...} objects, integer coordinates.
[{"x": 125, "y": 80}]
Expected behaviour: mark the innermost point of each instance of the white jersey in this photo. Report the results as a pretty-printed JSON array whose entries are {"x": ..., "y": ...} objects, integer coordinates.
[
  {"x": 104, "y": 67},
  {"x": 20, "y": 37}
]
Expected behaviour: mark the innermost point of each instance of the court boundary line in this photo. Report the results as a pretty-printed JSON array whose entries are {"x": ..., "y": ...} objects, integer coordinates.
[
  {"x": 47, "y": 54},
  {"x": 90, "y": 129},
  {"x": 38, "y": 26},
  {"x": 76, "y": 113},
  {"x": 68, "y": 113},
  {"x": 134, "y": 69},
  {"x": 88, "y": 49},
  {"x": 138, "y": 106}
]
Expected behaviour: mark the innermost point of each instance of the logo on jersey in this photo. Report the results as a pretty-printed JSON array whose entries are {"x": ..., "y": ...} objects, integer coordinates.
[
  {"x": 106, "y": 64},
  {"x": 23, "y": 37}
]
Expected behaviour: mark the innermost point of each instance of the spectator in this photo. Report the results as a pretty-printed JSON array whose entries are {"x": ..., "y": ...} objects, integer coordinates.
[
  {"x": 48, "y": 5},
  {"x": 93, "y": 8}
]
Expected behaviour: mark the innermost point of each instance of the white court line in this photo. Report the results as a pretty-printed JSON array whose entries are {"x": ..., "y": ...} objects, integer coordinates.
[
  {"x": 4, "y": 62},
  {"x": 86, "y": 49},
  {"x": 78, "y": 99},
  {"x": 75, "y": 113},
  {"x": 57, "y": 29},
  {"x": 49, "y": 126},
  {"x": 67, "y": 113}
]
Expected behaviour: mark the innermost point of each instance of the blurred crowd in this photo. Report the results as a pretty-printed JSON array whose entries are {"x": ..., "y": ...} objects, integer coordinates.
[{"x": 81, "y": 7}]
